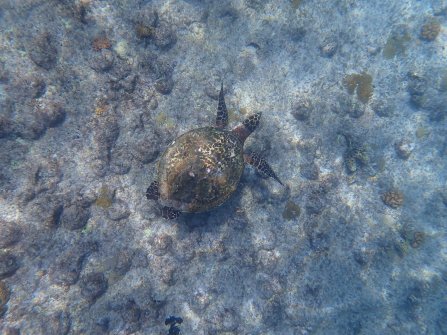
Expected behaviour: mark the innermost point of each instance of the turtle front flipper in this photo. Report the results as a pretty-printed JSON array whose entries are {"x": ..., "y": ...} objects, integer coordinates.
[
  {"x": 153, "y": 193},
  {"x": 261, "y": 166},
  {"x": 222, "y": 113}
]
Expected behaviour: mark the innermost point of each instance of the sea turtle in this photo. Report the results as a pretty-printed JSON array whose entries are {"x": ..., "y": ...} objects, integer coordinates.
[{"x": 202, "y": 168}]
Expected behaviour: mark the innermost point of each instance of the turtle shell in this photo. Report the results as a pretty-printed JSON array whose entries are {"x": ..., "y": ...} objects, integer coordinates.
[{"x": 200, "y": 169}]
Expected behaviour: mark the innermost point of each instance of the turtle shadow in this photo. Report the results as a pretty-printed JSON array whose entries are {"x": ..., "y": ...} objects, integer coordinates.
[{"x": 189, "y": 222}]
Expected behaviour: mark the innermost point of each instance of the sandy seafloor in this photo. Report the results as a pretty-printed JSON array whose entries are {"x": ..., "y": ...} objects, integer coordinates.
[{"x": 354, "y": 103}]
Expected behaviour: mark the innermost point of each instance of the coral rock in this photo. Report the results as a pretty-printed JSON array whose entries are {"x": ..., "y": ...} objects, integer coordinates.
[
  {"x": 430, "y": 30},
  {"x": 93, "y": 285},
  {"x": 393, "y": 198},
  {"x": 8, "y": 265}
]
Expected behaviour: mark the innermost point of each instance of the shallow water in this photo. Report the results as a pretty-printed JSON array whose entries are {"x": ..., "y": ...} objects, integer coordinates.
[{"x": 353, "y": 96}]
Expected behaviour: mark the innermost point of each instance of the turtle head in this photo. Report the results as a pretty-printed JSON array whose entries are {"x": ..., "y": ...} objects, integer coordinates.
[{"x": 247, "y": 127}]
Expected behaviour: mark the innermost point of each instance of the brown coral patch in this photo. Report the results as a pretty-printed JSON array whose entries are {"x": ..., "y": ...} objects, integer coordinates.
[
  {"x": 430, "y": 30},
  {"x": 4, "y": 297},
  {"x": 144, "y": 31},
  {"x": 418, "y": 239},
  {"x": 361, "y": 83},
  {"x": 393, "y": 198},
  {"x": 100, "y": 43},
  {"x": 291, "y": 211}
]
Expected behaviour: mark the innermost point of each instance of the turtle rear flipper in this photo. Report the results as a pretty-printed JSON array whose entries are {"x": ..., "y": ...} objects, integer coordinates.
[
  {"x": 152, "y": 192},
  {"x": 222, "y": 113},
  {"x": 170, "y": 213},
  {"x": 261, "y": 165}
]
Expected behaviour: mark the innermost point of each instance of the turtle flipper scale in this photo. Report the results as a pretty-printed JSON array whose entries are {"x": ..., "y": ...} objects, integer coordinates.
[
  {"x": 170, "y": 213},
  {"x": 152, "y": 192}
]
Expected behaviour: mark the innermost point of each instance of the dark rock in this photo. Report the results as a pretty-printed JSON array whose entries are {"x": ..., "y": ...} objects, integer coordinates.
[
  {"x": 272, "y": 313},
  {"x": 140, "y": 259},
  {"x": 328, "y": 183},
  {"x": 6, "y": 125},
  {"x": 356, "y": 110},
  {"x": 121, "y": 161},
  {"x": 8, "y": 264},
  {"x": 314, "y": 204},
  {"x": 164, "y": 85},
  {"x": 126, "y": 84},
  {"x": 101, "y": 326},
  {"x": 131, "y": 315},
  {"x": 393, "y": 198},
  {"x": 430, "y": 30},
  {"x": 319, "y": 242},
  {"x": 4, "y": 74},
  {"x": 147, "y": 148},
  {"x": 164, "y": 37},
  {"x": 417, "y": 86},
  {"x": 68, "y": 267},
  {"x": 309, "y": 171},
  {"x": 363, "y": 256},
  {"x": 29, "y": 127},
  {"x": 51, "y": 113},
  {"x": 58, "y": 323},
  {"x": 222, "y": 318},
  {"x": 106, "y": 131},
  {"x": 9, "y": 235},
  {"x": 119, "y": 71},
  {"x": 118, "y": 210},
  {"x": 93, "y": 285},
  {"x": 404, "y": 149},
  {"x": 144, "y": 30},
  {"x": 123, "y": 262},
  {"x": 47, "y": 211},
  {"x": 329, "y": 47},
  {"x": 75, "y": 216},
  {"x": 35, "y": 87},
  {"x": 11, "y": 331},
  {"x": 302, "y": 109},
  {"x": 291, "y": 211},
  {"x": 102, "y": 61},
  {"x": 161, "y": 244},
  {"x": 185, "y": 248},
  {"x": 212, "y": 88},
  {"x": 267, "y": 260},
  {"x": 46, "y": 177},
  {"x": 148, "y": 16},
  {"x": 382, "y": 108},
  {"x": 167, "y": 274},
  {"x": 268, "y": 285},
  {"x": 43, "y": 51},
  {"x": 156, "y": 66},
  {"x": 257, "y": 5},
  {"x": 4, "y": 297}
]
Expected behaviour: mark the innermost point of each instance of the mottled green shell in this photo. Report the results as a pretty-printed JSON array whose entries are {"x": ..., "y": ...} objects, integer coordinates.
[{"x": 200, "y": 169}]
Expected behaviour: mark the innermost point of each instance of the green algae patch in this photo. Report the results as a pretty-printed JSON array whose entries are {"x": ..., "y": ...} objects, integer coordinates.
[
  {"x": 291, "y": 211},
  {"x": 296, "y": 3},
  {"x": 396, "y": 45},
  {"x": 422, "y": 132},
  {"x": 105, "y": 198},
  {"x": 4, "y": 297},
  {"x": 361, "y": 84},
  {"x": 163, "y": 120},
  {"x": 443, "y": 83}
]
